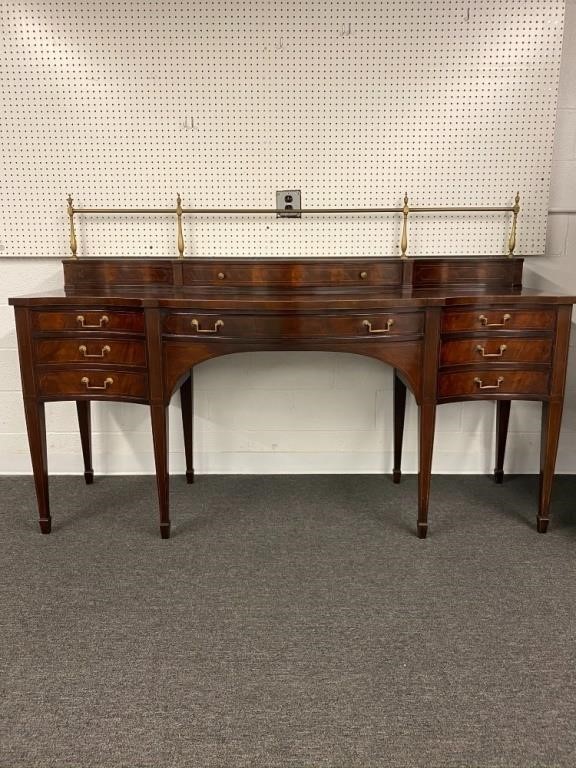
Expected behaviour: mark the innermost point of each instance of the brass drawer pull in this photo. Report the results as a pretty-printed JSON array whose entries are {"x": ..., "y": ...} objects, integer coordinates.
[
  {"x": 484, "y": 321},
  {"x": 86, "y": 381},
  {"x": 217, "y": 325},
  {"x": 105, "y": 351},
  {"x": 499, "y": 381},
  {"x": 363, "y": 275},
  {"x": 389, "y": 323},
  {"x": 221, "y": 276},
  {"x": 501, "y": 349},
  {"x": 104, "y": 320}
]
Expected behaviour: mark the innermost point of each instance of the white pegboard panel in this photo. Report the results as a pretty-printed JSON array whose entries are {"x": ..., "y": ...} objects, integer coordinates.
[{"x": 124, "y": 104}]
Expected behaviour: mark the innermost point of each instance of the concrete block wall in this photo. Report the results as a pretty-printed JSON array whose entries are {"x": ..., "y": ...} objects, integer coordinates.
[{"x": 304, "y": 412}]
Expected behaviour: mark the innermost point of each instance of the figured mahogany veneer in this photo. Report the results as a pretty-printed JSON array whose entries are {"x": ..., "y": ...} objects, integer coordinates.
[
  {"x": 453, "y": 328},
  {"x": 482, "y": 383},
  {"x": 497, "y": 319},
  {"x": 495, "y": 349},
  {"x": 83, "y": 349},
  {"x": 371, "y": 325},
  {"x": 89, "y": 320},
  {"x": 93, "y": 384}
]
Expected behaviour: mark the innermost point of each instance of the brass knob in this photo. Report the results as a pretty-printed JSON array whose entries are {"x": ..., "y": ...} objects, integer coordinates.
[
  {"x": 363, "y": 275},
  {"x": 221, "y": 275}
]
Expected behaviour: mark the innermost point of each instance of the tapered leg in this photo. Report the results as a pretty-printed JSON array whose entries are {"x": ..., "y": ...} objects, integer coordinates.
[
  {"x": 399, "y": 414},
  {"x": 159, "y": 417},
  {"x": 551, "y": 418},
  {"x": 85, "y": 424},
  {"x": 502, "y": 419},
  {"x": 427, "y": 419},
  {"x": 187, "y": 416},
  {"x": 36, "y": 425}
]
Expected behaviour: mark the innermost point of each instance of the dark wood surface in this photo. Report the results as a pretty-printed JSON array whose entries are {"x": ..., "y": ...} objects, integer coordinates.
[{"x": 454, "y": 328}]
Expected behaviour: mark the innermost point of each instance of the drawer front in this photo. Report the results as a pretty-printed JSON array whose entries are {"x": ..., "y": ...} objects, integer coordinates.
[
  {"x": 291, "y": 275},
  {"x": 88, "y": 348},
  {"x": 377, "y": 325},
  {"x": 88, "y": 320},
  {"x": 94, "y": 383},
  {"x": 494, "y": 349},
  {"x": 489, "y": 382},
  {"x": 501, "y": 319}
]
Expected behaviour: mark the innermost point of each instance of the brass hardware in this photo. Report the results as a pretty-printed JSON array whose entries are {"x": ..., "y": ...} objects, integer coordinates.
[
  {"x": 104, "y": 320},
  {"x": 363, "y": 275},
  {"x": 220, "y": 275},
  {"x": 179, "y": 225},
  {"x": 83, "y": 351},
  {"x": 484, "y": 321},
  {"x": 86, "y": 381},
  {"x": 478, "y": 381},
  {"x": 501, "y": 349},
  {"x": 217, "y": 325},
  {"x": 252, "y": 211},
  {"x": 512, "y": 238},
  {"x": 405, "y": 210},
  {"x": 73, "y": 243},
  {"x": 389, "y": 323},
  {"x": 404, "y": 238}
]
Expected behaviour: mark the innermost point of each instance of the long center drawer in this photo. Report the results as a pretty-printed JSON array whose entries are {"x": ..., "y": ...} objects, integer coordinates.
[{"x": 375, "y": 325}]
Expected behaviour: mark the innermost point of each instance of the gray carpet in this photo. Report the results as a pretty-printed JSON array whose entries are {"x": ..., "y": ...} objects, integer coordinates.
[{"x": 289, "y": 621}]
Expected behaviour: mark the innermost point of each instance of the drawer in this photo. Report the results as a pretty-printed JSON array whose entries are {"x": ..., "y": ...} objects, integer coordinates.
[
  {"x": 95, "y": 383},
  {"x": 495, "y": 349},
  {"x": 290, "y": 275},
  {"x": 499, "y": 319},
  {"x": 89, "y": 348},
  {"x": 376, "y": 325},
  {"x": 91, "y": 320},
  {"x": 487, "y": 382}
]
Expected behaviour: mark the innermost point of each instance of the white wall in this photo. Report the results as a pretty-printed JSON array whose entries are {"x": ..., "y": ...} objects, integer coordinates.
[
  {"x": 303, "y": 412},
  {"x": 556, "y": 271}
]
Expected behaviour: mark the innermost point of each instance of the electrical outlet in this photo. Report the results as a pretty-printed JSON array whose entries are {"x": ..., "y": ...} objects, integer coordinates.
[{"x": 289, "y": 201}]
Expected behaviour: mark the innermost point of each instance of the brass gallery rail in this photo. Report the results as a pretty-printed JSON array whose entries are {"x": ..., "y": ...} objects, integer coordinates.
[{"x": 406, "y": 210}]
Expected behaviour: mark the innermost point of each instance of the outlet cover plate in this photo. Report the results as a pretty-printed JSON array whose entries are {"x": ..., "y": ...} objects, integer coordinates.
[{"x": 289, "y": 203}]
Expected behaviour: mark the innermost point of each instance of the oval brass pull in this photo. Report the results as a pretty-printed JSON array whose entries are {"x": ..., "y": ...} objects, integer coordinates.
[
  {"x": 83, "y": 351},
  {"x": 217, "y": 325},
  {"x": 501, "y": 349},
  {"x": 363, "y": 275},
  {"x": 220, "y": 275},
  {"x": 499, "y": 381},
  {"x": 86, "y": 381},
  {"x": 484, "y": 321},
  {"x": 389, "y": 323},
  {"x": 104, "y": 320}
]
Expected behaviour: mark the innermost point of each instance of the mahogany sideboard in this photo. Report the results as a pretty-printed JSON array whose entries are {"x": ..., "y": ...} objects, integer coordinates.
[{"x": 453, "y": 328}]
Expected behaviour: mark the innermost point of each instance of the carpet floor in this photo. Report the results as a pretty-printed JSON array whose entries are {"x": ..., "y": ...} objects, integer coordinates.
[{"x": 290, "y": 621}]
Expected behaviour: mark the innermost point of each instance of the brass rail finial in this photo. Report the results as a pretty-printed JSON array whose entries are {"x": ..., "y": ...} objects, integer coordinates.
[
  {"x": 73, "y": 242},
  {"x": 179, "y": 218},
  {"x": 512, "y": 238},
  {"x": 404, "y": 238}
]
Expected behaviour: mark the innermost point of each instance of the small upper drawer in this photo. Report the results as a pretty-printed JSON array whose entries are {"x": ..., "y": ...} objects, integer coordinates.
[
  {"x": 495, "y": 349},
  {"x": 291, "y": 275},
  {"x": 88, "y": 320},
  {"x": 490, "y": 382},
  {"x": 78, "y": 350},
  {"x": 376, "y": 325},
  {"x": 499, "y": 319}
]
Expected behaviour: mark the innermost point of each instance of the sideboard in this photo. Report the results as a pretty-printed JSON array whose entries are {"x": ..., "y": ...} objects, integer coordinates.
[{"x": 453, "y": 329}]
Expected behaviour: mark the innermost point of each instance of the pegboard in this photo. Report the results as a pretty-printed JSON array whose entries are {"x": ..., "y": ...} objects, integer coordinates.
[{"x": 124, "y": 104}]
